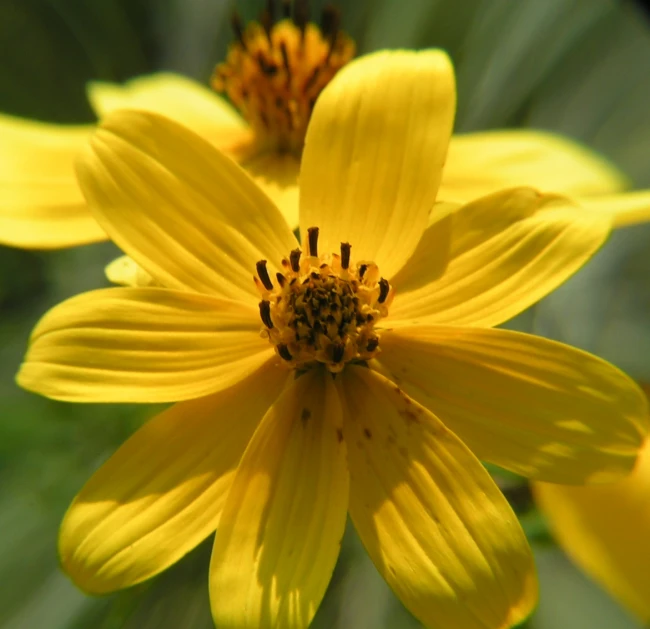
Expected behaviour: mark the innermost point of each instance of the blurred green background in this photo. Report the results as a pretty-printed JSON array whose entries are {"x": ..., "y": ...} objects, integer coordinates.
[{"x": 580, "y": 67}]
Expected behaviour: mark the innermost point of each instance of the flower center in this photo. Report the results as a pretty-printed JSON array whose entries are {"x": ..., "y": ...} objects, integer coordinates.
[
  {"x": 323, "y": 309},
  {"x": 274, "y": 72}
]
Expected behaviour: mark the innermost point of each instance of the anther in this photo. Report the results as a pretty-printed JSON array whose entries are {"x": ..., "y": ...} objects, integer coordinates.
[
  {"x": 286, "y": 8},
  {"x": 238, "y": 29},
  {"x": 301, "y": 15},
  {"x": 282, "y": 280},
  {"x": 312, "y": 79},
  {"x": 345, "y": 255},
  {"x": 362, "y": 270},
  {"x": 284, "y": 352},
  {"x": 263, "y": 274},
  {"x": 372, "y": 344},
  {"x": 270, "y": 9},
  {"x": 265, "y": 314},
  {"x": 338, "y": 351},
  {"x": 294, "y": 259},
  {"x": 384, "y": 287},
  {"x": 266, "y": 20},
  {"x": 285, "y": 60},
  {"x": 312, "y": 237},
  {"x": 330, "y": 21}
]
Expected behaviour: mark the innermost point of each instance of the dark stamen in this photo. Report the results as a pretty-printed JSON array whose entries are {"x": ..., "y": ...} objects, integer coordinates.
[
  {"x": 301, "y": 15},
  {"x": 284, "y": 352},
  {"x": 282, "y": 280},
  {"x": 309, "y": 83},
  {"x": 338, "y": 350},
  {"x": 345, "y": 254},
  {"x": 265, "y": 314},
  {"x": 285, "y": 59},
  {"x": 238, "y": 29},
  {"x": 384, "y": 287},
  {"x": 330, "y": 20},
  {"x": 362, "y": 270},
  {"x": 294, "y": 258},
  {"x": 312, "y": 237},
  {"x": 330, "y": 25},
  {"x": 269, "y": 68},
  {"x": 286, "y": 8},
  {"x": 372, "y": 345},
  {"x": 266, "y": 19},
  {"x": 270, "y": 9},
  {"x": 263, "y": 274}
]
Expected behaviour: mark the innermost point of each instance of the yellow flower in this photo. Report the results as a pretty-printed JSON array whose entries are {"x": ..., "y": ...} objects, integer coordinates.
[
  {"x": 41, "y": 206},
  {"x": 273, "y": 75},
  {"x": 604, "y": 529},
  {"x": 355, "y": 373}
]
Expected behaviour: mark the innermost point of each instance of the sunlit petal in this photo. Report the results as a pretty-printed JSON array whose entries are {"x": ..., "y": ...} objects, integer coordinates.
[
  {"x": 163, "y": 491},
  {"x": 41, "y": 206},
  {"x": 507, "y": 251},
  {"x": 628, "y": 208},
  {"x": 534, "y": 406},
  {"x": 432, "y": 519},
  {"x": 183, "y": 211},
  {"x": 604, "y": 529},
  {"x": 176, "y": 97},
  {"x": 283, "y": 521},
  {"x": 479, "y": 164},
  {"x": 277, "y": 174},
  {"x": 142, "y": 345},
  {"x": 125, "y": 272},
  {"x": 374, "y": 152}
]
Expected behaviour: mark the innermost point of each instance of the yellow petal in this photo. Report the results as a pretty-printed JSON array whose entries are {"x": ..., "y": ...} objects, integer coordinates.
[
  {"x": 125, "y": 272},
  {"x": 479, "y": 164},
  {"x": 41, "y": 206},
  {"x": 508, "y": 250},
  {"x": 142, "y": 345},
  {"x": 431, "y": 256},
  {"x": 183, "y": 211},
  {"x": 432, "y": 519},
  {"x": 176, "y": 97},
  {"x": 163, "y": 491},
  {"x": 604, "y": 529},
  {"x": 283, "y": 520},
  {"x": 534, "y": 406},
  {"x": 374, "y": 152},
  {"x": 277, "y": 175},
  {"x": 629, "y": 208}
]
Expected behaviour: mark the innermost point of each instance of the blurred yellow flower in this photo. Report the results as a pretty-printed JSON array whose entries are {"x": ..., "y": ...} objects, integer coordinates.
[
  {"x": 273, "y": 74},
  {"x": 604, "y": 529},
  {"x": 356, "y": 374}
]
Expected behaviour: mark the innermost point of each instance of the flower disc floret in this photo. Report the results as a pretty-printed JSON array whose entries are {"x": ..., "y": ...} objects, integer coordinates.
[
  {"x": 323, "y": 309},
  {"x": 274, "y": 72}
]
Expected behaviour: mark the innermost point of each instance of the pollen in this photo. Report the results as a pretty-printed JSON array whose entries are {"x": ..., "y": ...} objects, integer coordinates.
[
  {"x": 275, "y": 71},
  {"x": 323, "y": 308}
]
